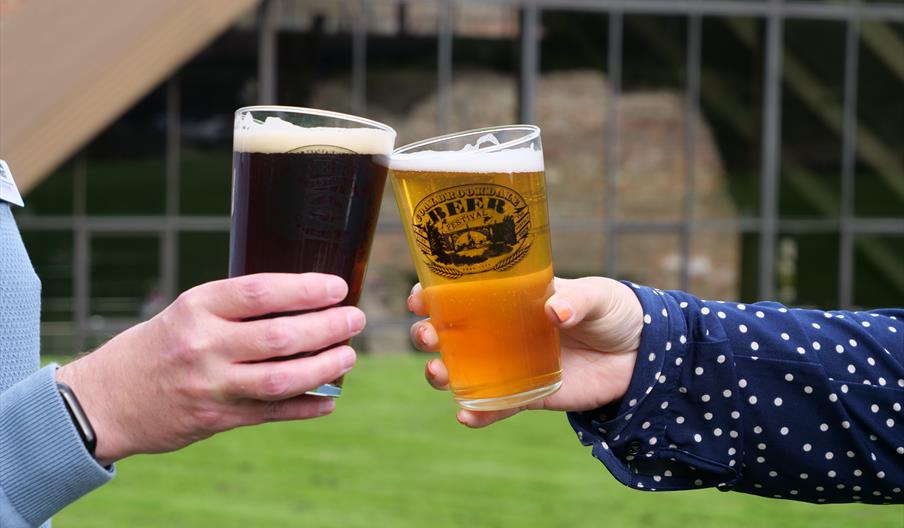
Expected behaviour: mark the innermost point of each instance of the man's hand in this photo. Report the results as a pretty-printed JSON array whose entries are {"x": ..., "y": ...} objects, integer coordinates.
[{"x": 196, "y": 368}]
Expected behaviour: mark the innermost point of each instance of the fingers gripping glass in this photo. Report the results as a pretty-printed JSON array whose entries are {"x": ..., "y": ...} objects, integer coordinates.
[
  {"x": 306, "y": 192},
  {"x": 475, "y": 214}
]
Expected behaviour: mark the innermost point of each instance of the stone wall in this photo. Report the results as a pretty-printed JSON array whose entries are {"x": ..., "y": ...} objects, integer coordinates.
[{"x": 571, "y": 110}]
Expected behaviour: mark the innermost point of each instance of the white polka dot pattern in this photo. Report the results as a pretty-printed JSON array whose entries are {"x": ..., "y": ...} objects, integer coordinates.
[{"x": 797, "y": 404}]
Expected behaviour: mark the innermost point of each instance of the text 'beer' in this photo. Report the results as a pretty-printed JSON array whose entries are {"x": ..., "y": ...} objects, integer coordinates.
[{"x": 478, "y": 230}]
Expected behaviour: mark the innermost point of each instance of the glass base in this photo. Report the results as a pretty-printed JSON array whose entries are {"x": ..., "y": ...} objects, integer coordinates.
[
  {"x": 330, "y": 390},
  {"x": 509, "y": 402}
]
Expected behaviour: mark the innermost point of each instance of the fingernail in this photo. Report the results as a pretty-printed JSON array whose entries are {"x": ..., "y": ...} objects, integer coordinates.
[
  {"x": 430, "y": 373},
  {"x": 347, "y": 359},
  {"x": 355, "y": 320},
  {"x": 419, "y": 334},
  {"x": 336, "y": 288},
  {"x": 562, "y": 309},
  {"x": 326, "y": 406},
  {"x": 408, "y": 303}
]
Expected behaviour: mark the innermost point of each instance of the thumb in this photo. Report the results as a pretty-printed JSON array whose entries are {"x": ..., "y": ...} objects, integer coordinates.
[
  {"x": 579, "y": 300},
  {"x": 599, "y": 312}
]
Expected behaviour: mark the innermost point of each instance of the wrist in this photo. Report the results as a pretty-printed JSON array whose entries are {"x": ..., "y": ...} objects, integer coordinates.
[
  {"x": 629, "y": 311},
  {"x": 109, "y": 446}
]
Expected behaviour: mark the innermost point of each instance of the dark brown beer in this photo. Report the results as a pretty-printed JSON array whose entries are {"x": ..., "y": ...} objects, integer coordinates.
[
  {"x": 306, "y": 198},
  {"x": 302, "y": 212}
]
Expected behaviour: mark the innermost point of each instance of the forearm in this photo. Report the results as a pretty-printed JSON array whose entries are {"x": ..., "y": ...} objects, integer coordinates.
[
  {"x": 760, "y": 399},
  {"x": 44, "y": 465}
]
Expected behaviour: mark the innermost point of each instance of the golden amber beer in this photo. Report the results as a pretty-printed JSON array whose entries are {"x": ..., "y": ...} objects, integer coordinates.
[{"x": 475, "y": 214}]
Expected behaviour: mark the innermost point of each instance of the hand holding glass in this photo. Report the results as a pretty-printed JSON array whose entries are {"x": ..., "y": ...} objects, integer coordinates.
[
  {"x": 306, "y": 194},
  {"x": 475, "y": 214}
]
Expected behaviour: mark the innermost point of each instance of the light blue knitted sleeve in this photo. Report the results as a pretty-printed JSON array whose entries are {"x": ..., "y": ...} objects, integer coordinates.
[
  {"x": 43, "y": 462},
  {"x": 44, "y": 465}
]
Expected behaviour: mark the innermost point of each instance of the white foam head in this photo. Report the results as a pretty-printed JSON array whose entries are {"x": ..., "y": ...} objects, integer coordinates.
[
  {"x": 472, "y": 159},
  {"x": 524, "y": 159},
  {"x": 275, "y": 135}
]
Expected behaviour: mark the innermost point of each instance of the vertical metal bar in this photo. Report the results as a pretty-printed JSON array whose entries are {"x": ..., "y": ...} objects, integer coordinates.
[
  {"x": 691, "y": 115},
  {"x": 443, "y": 65},
  {"x": 359, "y": 59},
  {"x": 81, "y": 256},
  {"x": 848, "y": 161},
  {"x": 402, "y": 18},
  {"x": 169, "y": 250},
  {"x": 173, "y": 143},
  {"x": 530, "y": 62},
  {"x": 266, "y": 52},
  {"x": 614, "y": 62},
  {"x": 772, "y": 116}
]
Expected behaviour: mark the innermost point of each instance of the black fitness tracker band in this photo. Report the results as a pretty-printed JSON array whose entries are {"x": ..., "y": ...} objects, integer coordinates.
[{"x": 79, "y": 418}]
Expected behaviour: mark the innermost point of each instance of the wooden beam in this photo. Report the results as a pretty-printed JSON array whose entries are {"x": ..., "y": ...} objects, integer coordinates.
[
  {"x": 68, "y": 69},
  {"x": 723, "y": 102},
  {"x": 885, "y": 44},
  {"x": 870, "y": 148}
]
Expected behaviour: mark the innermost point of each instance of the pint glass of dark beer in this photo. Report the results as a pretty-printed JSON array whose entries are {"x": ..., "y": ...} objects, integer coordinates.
[{"x": 306, "y": 191}]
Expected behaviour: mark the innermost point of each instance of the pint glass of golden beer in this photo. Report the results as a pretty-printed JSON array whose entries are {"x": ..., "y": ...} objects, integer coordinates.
[{"x": 474, "y": 208}]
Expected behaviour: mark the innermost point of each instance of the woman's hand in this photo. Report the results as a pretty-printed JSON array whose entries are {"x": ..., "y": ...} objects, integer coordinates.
[
  {"x": 600, "y": 322},
  {"x": 196, "y": 368}
]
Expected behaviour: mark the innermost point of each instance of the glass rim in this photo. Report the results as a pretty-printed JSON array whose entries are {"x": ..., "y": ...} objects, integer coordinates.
[
  {"x": 317, "y": 112},
  {"x": 533, "y": 133}
]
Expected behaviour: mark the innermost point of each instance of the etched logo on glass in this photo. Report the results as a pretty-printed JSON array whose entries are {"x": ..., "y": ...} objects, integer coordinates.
[{"x": 472, "y": 228}]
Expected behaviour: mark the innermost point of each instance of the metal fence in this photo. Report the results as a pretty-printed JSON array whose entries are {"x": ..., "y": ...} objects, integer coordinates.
[{"x": 767, "y": 225}]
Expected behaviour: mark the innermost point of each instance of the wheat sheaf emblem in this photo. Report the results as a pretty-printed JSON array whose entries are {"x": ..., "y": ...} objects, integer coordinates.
[
  {"x": 444, "y": 271},
  {"x": 510, "y": 261}
]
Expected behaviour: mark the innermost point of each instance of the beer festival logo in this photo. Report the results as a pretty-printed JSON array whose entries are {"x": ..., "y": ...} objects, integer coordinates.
[{"x": 472, "y": 228}]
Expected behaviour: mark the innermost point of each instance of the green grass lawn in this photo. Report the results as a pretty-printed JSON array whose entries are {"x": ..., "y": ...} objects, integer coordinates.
[{"x": 392, "y": 455}]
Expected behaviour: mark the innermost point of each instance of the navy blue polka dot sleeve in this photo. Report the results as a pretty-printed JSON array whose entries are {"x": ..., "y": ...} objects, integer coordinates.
[{"x": 759, "y": 398}]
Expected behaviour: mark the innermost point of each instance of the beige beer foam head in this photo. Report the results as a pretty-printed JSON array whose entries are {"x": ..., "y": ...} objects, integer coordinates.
[{"x": 274, "y": 136}]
